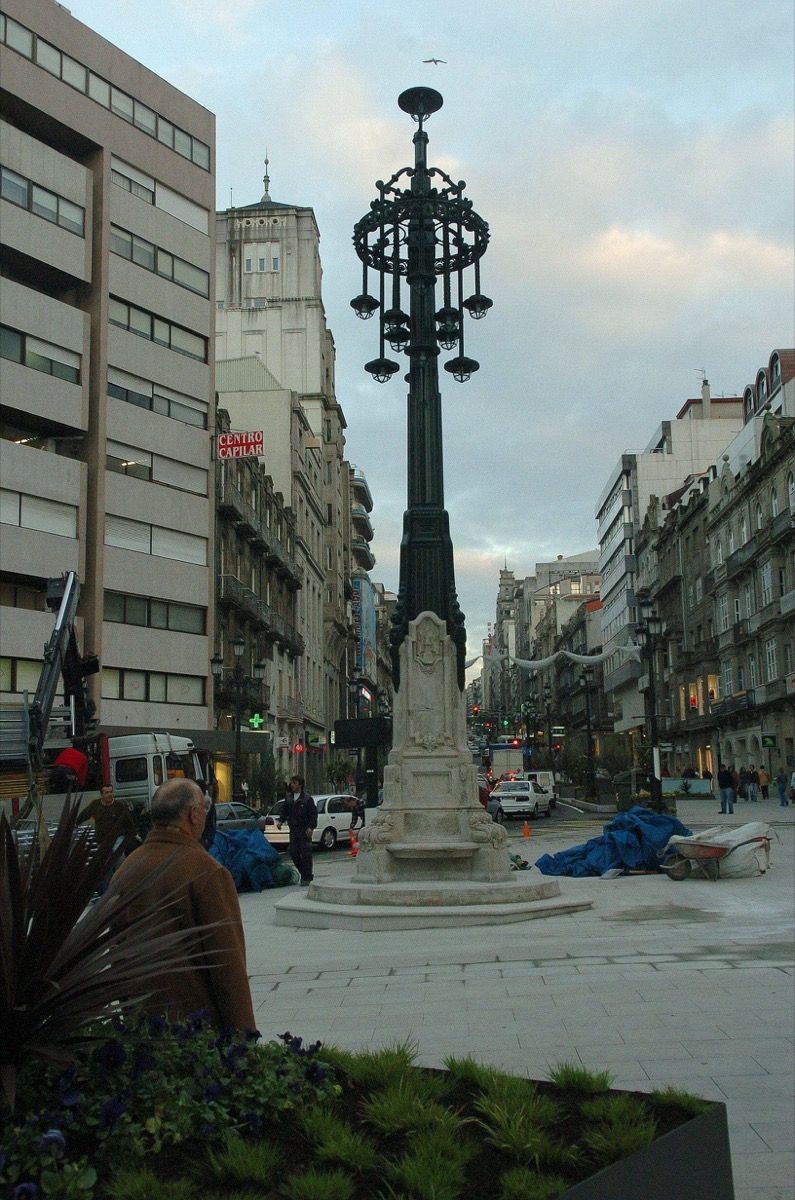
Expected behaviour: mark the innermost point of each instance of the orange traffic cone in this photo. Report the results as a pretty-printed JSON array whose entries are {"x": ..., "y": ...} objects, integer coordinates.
[
  {"x": 354, "y": 850},
  {"x": 526, "y": 830}
]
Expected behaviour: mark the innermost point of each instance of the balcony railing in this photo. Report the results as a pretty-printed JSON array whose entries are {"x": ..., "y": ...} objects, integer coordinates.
[
  {"x": 741, "y": 558},
  {"x": 781, "y": 525},
  {"x": 290, "y": 708},
  {"x": 232, "y": 592},
  {"x": 253, "y": 692},
  {"x": 736, "y": 703}
]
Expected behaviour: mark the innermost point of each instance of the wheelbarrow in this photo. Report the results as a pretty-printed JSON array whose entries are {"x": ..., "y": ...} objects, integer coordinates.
[{"x": 719, "y": 853}]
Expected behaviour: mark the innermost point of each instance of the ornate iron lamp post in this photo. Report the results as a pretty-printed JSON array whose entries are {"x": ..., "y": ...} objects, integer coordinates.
[
  {"x": 420, "y": 228},
  {"x": 585, "y": 680},
  {"x": 237, "y": 679},
  {"x": 650, "y": 628}
]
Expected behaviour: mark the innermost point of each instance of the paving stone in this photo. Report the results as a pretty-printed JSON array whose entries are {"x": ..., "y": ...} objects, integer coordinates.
[{"x": 777, "y": 1135}]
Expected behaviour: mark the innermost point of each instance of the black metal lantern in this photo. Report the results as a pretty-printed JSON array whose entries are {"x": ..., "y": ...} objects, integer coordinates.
[{"x": 421, "y": 228}]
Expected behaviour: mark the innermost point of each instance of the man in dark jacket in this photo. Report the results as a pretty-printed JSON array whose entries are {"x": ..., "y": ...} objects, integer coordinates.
[{"x": 300, "y": 814}]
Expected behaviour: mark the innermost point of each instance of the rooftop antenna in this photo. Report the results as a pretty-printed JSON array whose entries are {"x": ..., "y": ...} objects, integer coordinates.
[
  {"x": 266, "y": 179},
  {"x": 231, "y": 201},
  {"x": 702, "y": 371}
]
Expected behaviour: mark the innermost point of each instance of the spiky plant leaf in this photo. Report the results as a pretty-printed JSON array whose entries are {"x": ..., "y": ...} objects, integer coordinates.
[{"x": 64, "y": 963}]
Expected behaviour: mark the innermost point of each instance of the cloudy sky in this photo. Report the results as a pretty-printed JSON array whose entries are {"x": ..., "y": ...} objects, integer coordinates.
[{"x": 634, "y": 160}]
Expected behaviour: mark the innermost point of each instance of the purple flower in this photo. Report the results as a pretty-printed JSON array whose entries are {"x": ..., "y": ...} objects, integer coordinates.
[
  {"x": 54, "y": 1142},
  {"x": 3, "y": 1159},
  {"x": 314, "y": 1073},
  {"x": 142, "y": 1062},
  {"x": 196, "y": 1020},
  {"x": 252, "y": 1035},
  {"x": 111, "y": 1055},
  {"x": 211, "y": 1091},
  {"x": 157, "y": 1026},
  {"x": 25, "y": 1191},
  {"x": 112, "y": 1109}
]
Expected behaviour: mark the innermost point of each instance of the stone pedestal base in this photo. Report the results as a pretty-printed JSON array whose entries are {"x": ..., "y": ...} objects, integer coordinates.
[{"x": 430, "y": 855}]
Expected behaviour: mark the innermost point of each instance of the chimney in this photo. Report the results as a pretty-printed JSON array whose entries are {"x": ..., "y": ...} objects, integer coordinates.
[{"x": 705, "y": 400}]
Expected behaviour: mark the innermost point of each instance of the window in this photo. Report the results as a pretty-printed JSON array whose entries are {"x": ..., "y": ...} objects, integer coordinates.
[
  {"x": 153, "y": 539},
  {"x": 727, "y": 680},
  {"x": 156, "y": 687},
  {"x": 42, "y": 202},
  {"x": 155, "y": 329},
  {"x": 752, "y": 679},
  {"x": 766, "y": 580},
  {"x": 713, "y": 687},
  {"x": 19, "y": 674},
  {"x": 748, "y": 596},
  {"x": 774, "y": 503},
  {"x": 693, "y": 697},
  {"x": 36, "y": 512},
  {"x": 731, "y": 540},
  {"x": 740, "y": 677},
  {"x": 771, "y": 660},
  {"x": 760, "y": 518},
  {"x": 736, "y": 609},
  {"x": 791, "y": 491},
  {"x": 127, "y": 460},
  {"x": 743, "y": 528},
  {"x": 153, "y": 258},
  {"x": 723, "y": 614}
]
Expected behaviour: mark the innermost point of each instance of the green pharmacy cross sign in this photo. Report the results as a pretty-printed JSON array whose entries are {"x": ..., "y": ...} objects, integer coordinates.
[{"x": 256, "y": 721}]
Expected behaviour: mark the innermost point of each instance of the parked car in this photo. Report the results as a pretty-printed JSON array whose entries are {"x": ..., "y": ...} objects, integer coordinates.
[
  {"x": 236, "y": 815},
  {"x": 519, "y": 798},
  {"x": 333, "y": 821}
]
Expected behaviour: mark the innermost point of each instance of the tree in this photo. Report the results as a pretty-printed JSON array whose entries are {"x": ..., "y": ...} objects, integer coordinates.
[{"x": 338, "y": 771}]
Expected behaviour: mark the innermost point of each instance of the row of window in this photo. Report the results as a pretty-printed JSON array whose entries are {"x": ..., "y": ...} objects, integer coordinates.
[
  {"x": 154, "y": 614},
  {"x": 41, "y": 356},
  {"x": 154, "y": 687},
  {"x": 155, "y": 329},
  {"x": 746, "y": 677},
  {"x": 143, "y": 464},
  {"x": 42, "y": 202},
  {"x": 159, "y": 261},
  {"x": 747, "y": 608},
  {"x": 34, "y": 512},
  {"x": 261, "y": 256},
  {"x": 50, "y": 58},
  {"x": 156, "y": 540},
  {"x": 155, "y": 398},
  {"x": 147, "y": 188},
  {"x": 741, "y": 532}
]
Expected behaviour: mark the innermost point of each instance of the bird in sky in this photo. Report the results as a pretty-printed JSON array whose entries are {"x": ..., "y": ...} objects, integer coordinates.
[{"x": 435, "y": 61}]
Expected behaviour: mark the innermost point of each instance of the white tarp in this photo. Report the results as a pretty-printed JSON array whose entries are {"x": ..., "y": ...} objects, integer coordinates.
[{"x": 749, "y": 847}]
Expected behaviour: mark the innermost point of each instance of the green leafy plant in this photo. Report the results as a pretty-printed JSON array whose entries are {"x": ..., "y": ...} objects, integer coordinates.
[
  {"x": 333, "y": 1141},
  {"x": 670, "y": 1098},
  {"x": 571, "y": 1077},
  {"x": 611, "y": 1143},
  {"x": 400, "y": 1108},
  {"x": 242, "y": 1162},
  {"x": 520, "y": 1183},
  {"x": 319, "y": 1185},
  {"x": 374, "y": 1068},
  {"x": 339, "y": 770},
  {"x": 145, "y": 1185},
  {"x": 434, "y": 1166},
  {"x": 63, "y": 964}
]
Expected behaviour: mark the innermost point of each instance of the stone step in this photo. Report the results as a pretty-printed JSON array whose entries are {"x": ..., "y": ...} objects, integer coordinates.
[
  {"x": 434, "y": 893},
  {"x": 432, "y": 849},
  {"x": 301, "y": 912}
]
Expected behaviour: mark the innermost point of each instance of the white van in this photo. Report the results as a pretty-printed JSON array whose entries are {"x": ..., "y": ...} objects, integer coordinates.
[{"x": 140, "y": 762}]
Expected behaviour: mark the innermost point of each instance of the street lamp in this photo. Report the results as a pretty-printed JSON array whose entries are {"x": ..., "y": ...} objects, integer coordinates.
[
  {"x": 238, "y": 645},
  {"x": 548, "y": 714},
  {"x": 650, "y": 627},
  {"x": 421, "y": 226},
  {"x": 585, "y": 680}
]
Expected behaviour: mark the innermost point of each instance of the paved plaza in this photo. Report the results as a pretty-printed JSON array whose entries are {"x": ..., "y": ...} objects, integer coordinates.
[{"x": 660, "y": 982}]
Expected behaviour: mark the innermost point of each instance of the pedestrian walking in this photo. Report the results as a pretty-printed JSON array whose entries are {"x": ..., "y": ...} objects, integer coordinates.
[
  {"x": 357, "y": 812},
  {"x": 300, "y": 814},
  {"x": 113, "y": 822},
  {"x": 781, "y": 784},
  {"x": 753, "y": 784},
  {"x": 742, "y": 784},
  {"x": 726, "y": 789},
  {"x": 792, "y": 788},
  {"x": 174, "y": 875},
  {"x": 764, "y": 782}
]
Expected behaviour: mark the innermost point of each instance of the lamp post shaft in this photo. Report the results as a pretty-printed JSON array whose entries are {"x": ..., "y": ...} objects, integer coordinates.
[
  {"x": 237, "y": 789},
  {"x": 653, "y": 737}
]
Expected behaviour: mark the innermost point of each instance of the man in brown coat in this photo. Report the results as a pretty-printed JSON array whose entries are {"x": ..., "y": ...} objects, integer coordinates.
[{"x": 195, "y": 890}]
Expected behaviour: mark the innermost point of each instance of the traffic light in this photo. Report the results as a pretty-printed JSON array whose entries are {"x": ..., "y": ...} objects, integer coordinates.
[
  {"x": 475, "y": 709},
  {"x": 515, "y": 742},
  {"x": 505, "y": 722},
  {"x": 557, "y": 747}
]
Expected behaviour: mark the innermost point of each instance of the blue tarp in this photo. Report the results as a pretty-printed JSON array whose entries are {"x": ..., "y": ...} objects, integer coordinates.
[
  {"x": 248, "y": 857},
  {"x": 633, "y": 841}
]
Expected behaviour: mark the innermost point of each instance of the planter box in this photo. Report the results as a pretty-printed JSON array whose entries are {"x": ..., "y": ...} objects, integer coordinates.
[{"x": 689, "y": 1163}]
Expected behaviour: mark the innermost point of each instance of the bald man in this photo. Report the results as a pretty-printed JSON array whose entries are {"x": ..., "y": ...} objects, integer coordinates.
[{"x": 199, "y": 892}]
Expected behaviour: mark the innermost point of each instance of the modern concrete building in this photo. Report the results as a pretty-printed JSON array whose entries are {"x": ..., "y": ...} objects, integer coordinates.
[
  {"x": 107, "y": 365},
  {"x": 680, "y": 448}
]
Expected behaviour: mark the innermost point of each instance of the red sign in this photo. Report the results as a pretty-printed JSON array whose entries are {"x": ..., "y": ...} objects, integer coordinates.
[{"x": 241, "y": 445}]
